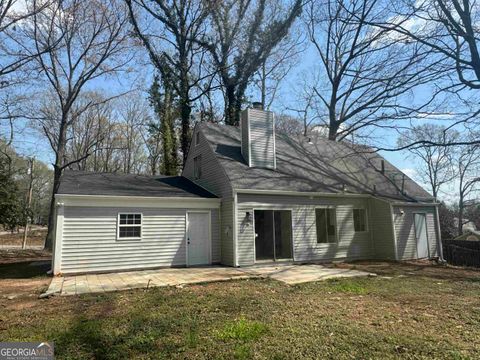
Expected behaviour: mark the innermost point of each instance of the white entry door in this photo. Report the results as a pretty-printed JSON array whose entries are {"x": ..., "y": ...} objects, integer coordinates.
[
  {"x": 421, "y": 235},
  {"x": 198, "y": 238}
]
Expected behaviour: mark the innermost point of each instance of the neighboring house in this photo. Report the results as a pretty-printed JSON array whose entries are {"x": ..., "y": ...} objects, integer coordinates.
[
  {"x": 247, "y": 195},
  {"x": 472, "y": 235},
  {"x": 467, "y": 225}
]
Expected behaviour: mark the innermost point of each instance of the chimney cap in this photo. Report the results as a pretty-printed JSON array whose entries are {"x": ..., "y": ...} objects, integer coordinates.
[{"x": 257, "y": 105}]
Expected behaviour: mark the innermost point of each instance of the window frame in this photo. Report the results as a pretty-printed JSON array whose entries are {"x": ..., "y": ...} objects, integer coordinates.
[
  {"x": 335, "y": 223},
  {"x": 366, "y": 220},
  {"x": 129, "y": 225},
  {"x": 197, "y": 167}
]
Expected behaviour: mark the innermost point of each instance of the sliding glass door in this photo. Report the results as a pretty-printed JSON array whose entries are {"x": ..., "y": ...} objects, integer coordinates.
[{"x": 273, "y": 234}]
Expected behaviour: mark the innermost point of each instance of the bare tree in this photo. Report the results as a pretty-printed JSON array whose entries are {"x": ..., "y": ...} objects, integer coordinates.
[
  {"x": 90, "y": 40},
  {"x": 242, "y": 35},
  {"x": 277, "y": 66},
  {"x": 172, "y": 48},
  {"x": 448, "y": 29},
  {"x": 133, "y": 116},
  {"x": 365, "y": 72},
  {"x": 468, "y": 169},
  {"x": 13, "y": 16},
  {"x": 436, "y": 167}
]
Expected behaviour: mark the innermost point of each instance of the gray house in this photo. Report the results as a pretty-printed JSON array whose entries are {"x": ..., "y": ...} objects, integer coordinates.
[{"x": 247, "y": 195}]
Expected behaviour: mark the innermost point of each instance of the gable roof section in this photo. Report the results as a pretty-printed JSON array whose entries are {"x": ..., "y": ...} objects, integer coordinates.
[
  {"x": 321, "y": 166},
  {"x": 112, "y": 184}
]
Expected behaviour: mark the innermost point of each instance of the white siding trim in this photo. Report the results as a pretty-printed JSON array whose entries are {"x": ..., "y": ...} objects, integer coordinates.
[
  {"x": 420, "y": 204},
  {"x": 394, "y": 232},
  {"x": 235, "y": 230},
  {"x": 274, "y": 143},
  {"x": 299, "y": 193},
  {"x": 249, "y": 142},
  {"x": 138, "y": 201},
  {"x": 57, "y": 255}
]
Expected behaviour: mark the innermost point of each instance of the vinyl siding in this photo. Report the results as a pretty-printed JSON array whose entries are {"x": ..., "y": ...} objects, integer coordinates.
[
  {"x": 213, "y": 176},
  {"x": 89, "y": 239},
  {"x": 382, "y": 230},
  {"x": 226, "y": 211},
  {"x": 262, "y": 147},
  {"x": 350, "y": 245},
  {"x": 405, "y": 231}
]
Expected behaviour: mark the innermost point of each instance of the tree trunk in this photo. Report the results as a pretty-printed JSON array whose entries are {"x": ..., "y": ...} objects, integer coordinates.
[
  {"x": 460, "y": 215},
  {"x": 332, "y": 130},
  {"x": 57, "y": 173},
  {"x": 185, "y": 111},
  {"x": 29, "y": 203},
  {"x": 230, "y": 106}
]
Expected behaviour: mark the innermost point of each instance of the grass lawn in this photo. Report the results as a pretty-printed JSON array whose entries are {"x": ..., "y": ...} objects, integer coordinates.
[{"x": 409, "y": 311}]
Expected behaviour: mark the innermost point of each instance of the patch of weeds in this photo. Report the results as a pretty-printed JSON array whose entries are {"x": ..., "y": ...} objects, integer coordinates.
[
  {"x": 192, "y": 337},
  {"x": 242, "y": 329},
  {"x": 350, "y": 287},
  {"x": 456, "y": 355},
  {"x": 243, "y": 351}
]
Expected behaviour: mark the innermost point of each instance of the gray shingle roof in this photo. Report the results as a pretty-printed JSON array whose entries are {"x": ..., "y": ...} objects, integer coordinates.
[
  {"x": 320, "y": 166},
  {"x": 85, "y": 183}
]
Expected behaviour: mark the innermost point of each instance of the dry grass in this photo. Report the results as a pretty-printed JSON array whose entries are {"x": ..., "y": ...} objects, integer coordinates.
[{"x": 412, "y": 311}]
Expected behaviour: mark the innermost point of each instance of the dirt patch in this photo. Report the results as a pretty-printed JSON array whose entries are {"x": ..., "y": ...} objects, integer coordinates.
[
  {"x": 425, "y": 268},
  {"x": 36, "y": 238},
  {"x": 16, "y": 256},
  {"x": 23, "y": 274}
]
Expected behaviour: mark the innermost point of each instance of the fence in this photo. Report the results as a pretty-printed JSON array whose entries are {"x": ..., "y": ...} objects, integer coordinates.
[{"x": 462, "y": 252}]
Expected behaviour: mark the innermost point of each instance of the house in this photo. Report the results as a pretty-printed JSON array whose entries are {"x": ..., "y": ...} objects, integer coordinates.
[
  {"x": 247, "y": 195},
  {"x": 469, "y": 234}
]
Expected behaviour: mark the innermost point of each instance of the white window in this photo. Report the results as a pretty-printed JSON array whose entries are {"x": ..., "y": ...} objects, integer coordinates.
[
  {"x": 129, "y": 226},
  {"x": 197, "y": 138},
  {"x": 360, "y": 220},
  {"x": 197, "y": 167},
  {"x": 326, "y": 225}
]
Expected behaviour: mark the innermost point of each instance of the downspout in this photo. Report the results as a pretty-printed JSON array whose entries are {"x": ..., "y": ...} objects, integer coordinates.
[{"x": 394, "y": 232}]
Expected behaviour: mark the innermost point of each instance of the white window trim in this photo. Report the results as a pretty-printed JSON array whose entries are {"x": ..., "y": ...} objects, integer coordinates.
[
  {"x": 366, "y": 220},
  {"x": 129, "y": 225},
  {"x": 336, "y": 225}
]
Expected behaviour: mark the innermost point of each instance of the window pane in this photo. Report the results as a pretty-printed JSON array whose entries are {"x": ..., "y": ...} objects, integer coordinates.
[
  {"x": 321, "y": 222},
  {"x": 138, "y": 219},
  {"x": 331, "y": 224},
  {"x": 359, "y": 220},
  {"x": 129, "y": 231},
  {"x": 123, "y": 219}
]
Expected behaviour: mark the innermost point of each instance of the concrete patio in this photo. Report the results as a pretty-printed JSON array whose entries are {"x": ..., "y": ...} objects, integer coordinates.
[{"x": 99, "y": 283}]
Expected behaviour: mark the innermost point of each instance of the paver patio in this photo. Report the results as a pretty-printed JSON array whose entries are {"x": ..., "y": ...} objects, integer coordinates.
[{"x": 98, "y": 283}]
